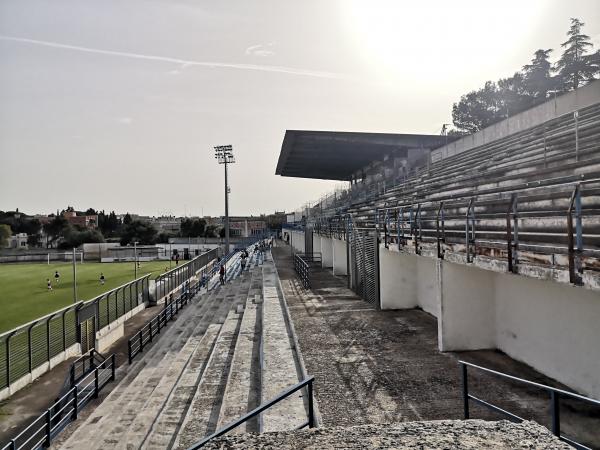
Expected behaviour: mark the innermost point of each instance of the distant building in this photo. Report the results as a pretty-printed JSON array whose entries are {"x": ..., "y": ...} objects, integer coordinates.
[
  {"x": 85, "y": 221},
  {"x": 17, "y": 241},
  {"x": 167, "y": 224},
  {"x": 246, "y": 226}
]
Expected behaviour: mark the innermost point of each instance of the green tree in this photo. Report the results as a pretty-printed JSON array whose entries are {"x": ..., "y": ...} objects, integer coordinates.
[
  {"x": 193, "y": 227},
  {"x": 574, "y": 66},
  {"x": 512, "y": 96},
  {"x": 537, "y": 76},
  {"x": 139, "y": 231},
  {"x": 5, "y": 234},
  {"x": 127, "y": 219},
  {"x": 55, "y": 228},
  {"x": 477, "y": 109},
  {"x": 73, "y": 237}
]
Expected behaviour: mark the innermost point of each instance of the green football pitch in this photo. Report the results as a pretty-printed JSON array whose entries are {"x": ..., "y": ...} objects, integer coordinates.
[{"x": 24, "y": 295}]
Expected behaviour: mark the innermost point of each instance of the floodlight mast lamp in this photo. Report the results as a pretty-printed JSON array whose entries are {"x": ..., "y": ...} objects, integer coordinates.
[{"x": 224, "y": 155}]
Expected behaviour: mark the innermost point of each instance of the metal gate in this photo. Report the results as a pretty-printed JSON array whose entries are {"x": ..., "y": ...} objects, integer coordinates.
[
  {"x": 87, "y": 319},
  {"x": 308, "y": 239},
  {"x": 88, "y": 335},
  {"x": 364, "y": 260}
]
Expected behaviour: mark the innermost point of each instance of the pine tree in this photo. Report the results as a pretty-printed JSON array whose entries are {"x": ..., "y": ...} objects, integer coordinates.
[
  {"x": 574, "y": 66},
  {"x": 537, "y": 76}
]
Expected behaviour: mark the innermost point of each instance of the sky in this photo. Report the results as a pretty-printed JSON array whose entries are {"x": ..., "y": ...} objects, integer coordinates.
[{"x": 117, "y": 105}]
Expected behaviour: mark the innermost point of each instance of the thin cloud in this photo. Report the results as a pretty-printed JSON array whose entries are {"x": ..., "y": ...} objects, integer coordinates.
[
  {"x": 125, "y": 120},
  {"x": 181, "y": 62},
  {"x": 260, "y": 50}
]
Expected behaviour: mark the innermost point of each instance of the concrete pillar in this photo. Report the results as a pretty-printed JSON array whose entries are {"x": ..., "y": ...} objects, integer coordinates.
[
  {"x": 316, "y": 243},
  {"x": 467, "y": 317},
  {"x": 397, "y": 280},
  {"x": 327, "y": 251},
  {"x": 340, "y": 262}
]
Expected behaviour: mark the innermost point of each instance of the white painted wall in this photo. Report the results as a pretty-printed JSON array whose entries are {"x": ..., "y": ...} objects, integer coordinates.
[
  {"x": 316, "y": 243},
  {"x": 397, "y": 280},
  {"x": 340, "y": 262},
  {"x": 327, "y": 251},
  {"x": 427, "y": 285},
  {"x": 467, "y": 316},
  {"x": 408, "y": 281},
  {"x": 552, "y": 327}
]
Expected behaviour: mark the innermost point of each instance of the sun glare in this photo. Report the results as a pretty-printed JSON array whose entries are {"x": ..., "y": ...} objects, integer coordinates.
[{"x": 413, "y": 40}]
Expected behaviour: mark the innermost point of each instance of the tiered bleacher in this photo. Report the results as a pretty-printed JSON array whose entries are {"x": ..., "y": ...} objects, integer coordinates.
[{"x": 206, "y": 370}]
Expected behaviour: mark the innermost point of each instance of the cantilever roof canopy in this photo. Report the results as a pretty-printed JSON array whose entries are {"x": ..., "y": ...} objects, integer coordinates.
[{"x": 332, "y": 155}]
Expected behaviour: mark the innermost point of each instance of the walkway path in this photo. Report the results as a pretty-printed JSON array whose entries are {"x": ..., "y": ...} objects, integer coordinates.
[{"x": 384, "y": 366}]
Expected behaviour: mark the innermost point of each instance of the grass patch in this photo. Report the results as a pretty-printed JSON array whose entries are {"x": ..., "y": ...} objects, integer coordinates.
[{"x": 24, "y": 295}]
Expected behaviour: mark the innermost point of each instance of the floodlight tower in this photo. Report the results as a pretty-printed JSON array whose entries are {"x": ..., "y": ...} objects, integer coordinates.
[{"x": 224, "y": 155}]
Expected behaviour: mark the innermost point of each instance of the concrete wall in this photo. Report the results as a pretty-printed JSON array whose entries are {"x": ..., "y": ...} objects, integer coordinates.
[
  {"x": 327, "y": 251},
  {"x": 316, "y": 243},
  {"x": 564, "y": 104},
  {"x": 340, "y": 261},
  {"x": 549, "y": 326},
  {"x": 466, "y": 320},
  {"x": 108, "y": 335},
  {"x": 553, "y": 328},
  {"x": 73, "y": 350},
  {"x": 408, "y": 281}
]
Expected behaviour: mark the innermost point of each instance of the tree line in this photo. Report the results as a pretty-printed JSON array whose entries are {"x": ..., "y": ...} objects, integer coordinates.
[
  {"x": 532, "y": 85},
  {"x": 64, "y": 235}
]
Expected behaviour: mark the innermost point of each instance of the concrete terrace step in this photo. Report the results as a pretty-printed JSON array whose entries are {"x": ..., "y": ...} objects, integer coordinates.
[
  {"x": 118, "y": 412},
  {"x": 147, "y": 375},
  {"x": 203, "y": 413},
  {"x": 280, "y": 370},
  {"x": 242, "y": 391},
  {"x": 167, "y": 423}
]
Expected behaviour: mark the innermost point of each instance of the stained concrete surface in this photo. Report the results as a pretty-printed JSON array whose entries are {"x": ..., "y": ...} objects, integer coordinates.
[
  {"x": 446, "y": 435},
  {"x": 375, "y": 366}
]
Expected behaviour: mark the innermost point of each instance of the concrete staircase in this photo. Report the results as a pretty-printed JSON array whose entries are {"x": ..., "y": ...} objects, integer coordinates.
[{"x": 206, "y": 370}]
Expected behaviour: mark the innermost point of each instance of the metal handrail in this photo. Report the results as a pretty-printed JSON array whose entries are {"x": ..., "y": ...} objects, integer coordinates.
[
  {"x": 302, "y": 268},
  {"x": 63, "y": 411},
  {"x": 308, "y": 382},
  {"x": 555, "y": 395}
]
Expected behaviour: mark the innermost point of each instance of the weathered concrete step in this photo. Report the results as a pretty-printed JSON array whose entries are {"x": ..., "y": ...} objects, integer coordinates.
[
  {"x": 135, "y": 421},
  {"x": 168, "y": 422},
  {"x": 242, "y": 391},
  {"x": 194, "y": 318},
  {"x": 159, "y": 356},
  {"x": 280, "y": 370},
  {"x": 202, "y": 415}
]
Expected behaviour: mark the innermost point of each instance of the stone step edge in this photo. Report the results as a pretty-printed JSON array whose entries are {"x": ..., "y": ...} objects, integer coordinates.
[{"x": 187, "y": 417}]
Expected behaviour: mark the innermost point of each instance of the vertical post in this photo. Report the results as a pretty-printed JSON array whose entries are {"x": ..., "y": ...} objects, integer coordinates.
[
  {"x": 48, "y": 339},
  {"x": 75, "y": 402},
  {"x": 465, "y": 391},
  {"x": 48, "y": 427},
  {"x": 8, "y": 360},
  {"x": 29, "y": 349},
  {"x": 311, "y": 406},
  {"x": 555, "y": 408},
  {"x": 135, "y": 259},
  {"x": 129, "y": 351},
  {"x": 576, "y": 117},
  {"x": 96, "y": 383},
  {"x": 74, "y": 277},
  {"x": 112, "y": 367},
  {"x": 226, "y": 210}
]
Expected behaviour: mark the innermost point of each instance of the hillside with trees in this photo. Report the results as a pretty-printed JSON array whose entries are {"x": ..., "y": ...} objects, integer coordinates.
[{"x": 532, "y": 85}]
